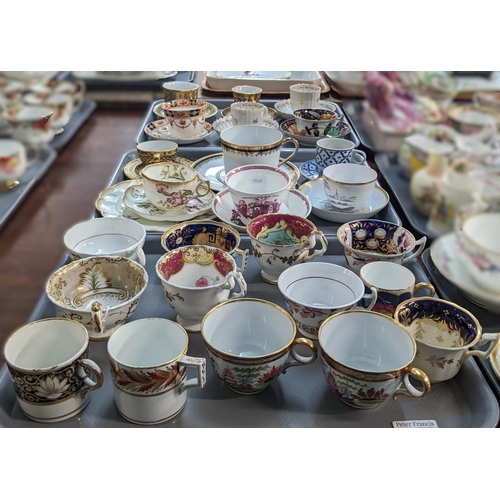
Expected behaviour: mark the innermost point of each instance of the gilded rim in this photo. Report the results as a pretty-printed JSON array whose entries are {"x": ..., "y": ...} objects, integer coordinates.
[
  {"x": 114, "y": 187},
  {"x": 261, "y": 147},
  {"x": 175, "y": 182},
  {"x": 134, "y": 167}
]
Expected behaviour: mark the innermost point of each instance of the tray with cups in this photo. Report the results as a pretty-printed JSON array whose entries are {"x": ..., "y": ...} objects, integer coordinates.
[{"x": 120, "y": 331}]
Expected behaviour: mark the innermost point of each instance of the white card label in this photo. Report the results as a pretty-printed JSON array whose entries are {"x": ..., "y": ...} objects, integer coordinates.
[{"x": 414, "y": 424}]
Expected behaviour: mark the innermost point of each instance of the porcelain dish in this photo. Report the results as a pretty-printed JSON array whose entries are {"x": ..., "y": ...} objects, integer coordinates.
[
  {"x": 227, "y": 122},
  {"x": 160, "y": 129},
  {"x": 209, "y": 112},
  {"x": 132, "y": 170},
  {"x": 289, "y": 128}
]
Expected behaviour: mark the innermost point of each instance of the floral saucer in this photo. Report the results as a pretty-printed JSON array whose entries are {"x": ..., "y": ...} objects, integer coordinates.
[
  {"x": 322, "y": 208},
  {"x": 159, "y": 129},
  {"x": 211, "y": 168},
  {"x": 223, "y": 207},
  {"x": 444, "y": 253},
  {"x": 227, "y": 122},
  {"x": 289, "y": 128},
  {"x": 132, "y": 170},
  {"x": 273, "y": 114},
  {"x": 309, "y": 169},
  {"x": 284, "y": 108},
  {"x": 211, "y": 110},
  {"x": 135, "y": 199}
]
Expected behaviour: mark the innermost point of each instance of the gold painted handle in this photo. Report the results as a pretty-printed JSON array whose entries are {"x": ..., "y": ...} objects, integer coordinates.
[
  {"x": 409, "y": 390},
  {"x": 295, "y": 151},
  {"x": 422, "y": 285},
  {"x": 299, "y": 360}
]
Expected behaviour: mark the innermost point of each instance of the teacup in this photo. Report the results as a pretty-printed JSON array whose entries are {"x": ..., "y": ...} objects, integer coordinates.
[
  {"x": 149, "y": 364},
  {"x": 14, "y": 162},
  {"x": 39, "y": 95},
  {"x": 254, "y": 144},
  {"x": 106, "y": 236},
  {"x": 157, "y": 151},
  {"x": 52, "y": 375},
  {"x": 63, "y": 107},
  {"x": 246, "y": 93},
  {"x": 332, "y": 150},
  {"x": 349, "y": 186},
  {"x": 313, "y": 291},
  {"x": 205, "y": 232},
  {"x": 283, "y": 240},
  {"x": 170, "y": 186},
  {"x": 195, "y": 279},
  {"x": 31, "y": 124},
  {"x": 445, "y": 334},
  {"x": 304, "y": 96},
  {"x": 180, "y": 90},
  {"x": 248, "y": 113},
  {"x": 394, "y": 284},
  {"x": 186, "y": 117},
  {"x": 315, "y": 122},
  {"x": 11, "y": 91},
  {"x": 259, "y": 345},
  {"x": 257, "y": 190},
  {"x": 99, "y": 292},
  {"x": 369, "y": 240},
  {"x": 367, "y": 357}
]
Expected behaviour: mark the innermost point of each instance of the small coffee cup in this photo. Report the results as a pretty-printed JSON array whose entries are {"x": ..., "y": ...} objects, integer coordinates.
[
  {"x": 157, "y": 151},
  {"x": 315, "y": 122},
  {"x": 260, "y": 344},
  {"x": 52, "y": 375},
  {"x": 248, "y": 93},
  {"x": 186, "y": 117},
  {"x": 394, "y": 283},
  {"x": 180, "y": 90},
  {"x": 14, "y": 161},
  {"x": 304, "y": 95},
  {"x": 332, "y": 150},
  {"x": 248, "y": 113},
  {"x": 31, "y": 124},
  {"x": 149, "y": 363}
]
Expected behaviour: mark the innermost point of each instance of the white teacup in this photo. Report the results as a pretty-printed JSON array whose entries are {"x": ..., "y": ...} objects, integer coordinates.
[
  {"x": 254, "y": 144},
  {"x": 31, "y": 124},
  {"x": 304, "y": 95},
  {"x": 14, "y": 162},
  {"x": 149, "y": 364},
  {"x": 332, "y": 150},
  {"x": 48, "y": 362},
  {"x": 248, "y": 113},
  {"x": 106, "y": 236}
]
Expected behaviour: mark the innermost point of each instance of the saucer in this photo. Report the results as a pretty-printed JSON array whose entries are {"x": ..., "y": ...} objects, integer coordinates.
[
  {"x": 159, "y": 129},
  {"x": 495, "y": 361},
  {"x": 309, "y": 169},
  {"x": 322, "y": 208},
  {"x": 211, "y": 110},
  {"x": 284, "y": 108},
  {"x": 132, "y": 170},
  {"x": 109, "y": 203},
  {"x": 135, "y": 199},
  {"x": 227, "y": 122},
  {"x": 273, "y": 114},
  {"x": 289, "y": 128},
  {"x": 223, "y": 207},
  {"x": 211, "y": 168},
  {"x": 444, "y": 255}
]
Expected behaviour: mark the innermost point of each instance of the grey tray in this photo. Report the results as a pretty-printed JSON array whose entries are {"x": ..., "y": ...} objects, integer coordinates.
[
  {"x": 10, "y": 200},
  {"x": 77, "y": 120},
  {"x": 329, "y": 228},
  {"x": 212, "y": 144},
  {"x": 299, "y": 398},
  {"x": 489, "y": 321}
]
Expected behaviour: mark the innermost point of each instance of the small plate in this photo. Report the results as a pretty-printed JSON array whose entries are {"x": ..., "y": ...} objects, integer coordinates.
[
  {"x": 135, "y": 199},
  {"x": 289, "y": 128},
  {"x": 227, "y": 122},
  {"x": 211, "y": 110},
  {"x": 444, "y": 255},
  {"x": 273, "y": 114},
  {"x": 309, "y": 169},
  {"x": 159, "y": 129},
  {"x": 223, "y": 207},
  {"x": 284, "y": 108},
  {"x": 322, "y": 208},
  {"x": 132, "y": 170},
  {"x": 211, "y": 168}
]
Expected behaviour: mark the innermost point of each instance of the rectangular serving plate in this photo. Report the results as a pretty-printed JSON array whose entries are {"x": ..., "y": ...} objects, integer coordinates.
[{"x": 299, "y": 398}]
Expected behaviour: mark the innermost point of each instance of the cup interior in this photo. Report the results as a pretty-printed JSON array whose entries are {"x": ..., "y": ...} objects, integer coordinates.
[
  {"x": 315, "y": 115},
  {"x": 180, "y": 85},
  {"x": 387, "y": 275},
  {"x": 333, "y": 143},
  {"x": 280, "y": 229},
  {"x": 257, "y": 179},
  {"x": 481, "y": 230},
  {"x": 251, "y": 135},
  {"x": 157, "y": 146},
  {"x": 349, "y": 173},
  {"x": 167, "y": 172}
]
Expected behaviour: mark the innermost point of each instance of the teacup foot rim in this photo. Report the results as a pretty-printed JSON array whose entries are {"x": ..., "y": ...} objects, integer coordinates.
[
  {"x": 189, "y": 326},
  {"x": 246, "y": 393},
  {"x": 153, "y": 422},
  {"x": 269, "y": 278}
]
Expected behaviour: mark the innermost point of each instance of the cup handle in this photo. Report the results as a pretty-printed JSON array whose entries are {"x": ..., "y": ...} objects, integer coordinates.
[
  {"x": 493, "y": 338},
  {"x": 201, "y": 367},
  {"x": 295, "y": 151},
  {"x": 372, "y": 297},
  {"x": 299, "y": 360},
  {"x": 244, "y": 259},
  {"x": 312, "y": 243},
  {"x": 98, "y": 316},
  {"x": 77, "y": 102},
  {"x": 421, "y": 245},
  {"x": 360, "y": 153},
  {"x": 204, "y": 184},
  {"x": 80, "y": 86},
  {"x": 422, "y": 285},
  {"x": 95, "y": 371},
  {"x": 241, "y": 282},
  {"x": 409, "y": 389},
  {"x": 36, "y": 151}
]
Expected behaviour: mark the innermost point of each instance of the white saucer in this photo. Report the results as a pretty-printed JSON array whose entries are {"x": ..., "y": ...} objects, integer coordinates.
[
  {"x": 223, "y": 207},
  {"x": 444, "y": 254},
  {"x": 210, "y": 111},
  {"x": 322, "y": 208},
  {"x": 211, "y": 168},
  {"x": 109, "y": 203},
  {"x": 289, "y": 128},
  {"x": 135, "y": 199},
  {"x": 160, "y": 129},
  {"x": 227, "y": 122},
  {"x": 284, "y": 108}
]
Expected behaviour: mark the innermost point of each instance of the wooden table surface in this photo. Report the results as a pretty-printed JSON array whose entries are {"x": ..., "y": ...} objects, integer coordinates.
[{"x": 31, "y": 242}]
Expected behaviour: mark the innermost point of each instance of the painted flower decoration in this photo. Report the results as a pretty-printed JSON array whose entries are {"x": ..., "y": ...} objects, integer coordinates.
[
  {"x": 200, "y": 282},
  {"x": 52, "y": 388},
  {"x": 309, "y": 312}
]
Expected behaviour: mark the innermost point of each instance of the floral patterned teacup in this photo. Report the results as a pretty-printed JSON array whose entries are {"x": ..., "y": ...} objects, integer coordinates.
[
  {"x": 149, "y": 362},
  {"x": 196, "y": 278},
  {"x": 186, "y": 117},
  {"x": 366, "y": 358},
  {"x": 52, "y": 375},
  {"x": 14, "y": 162},
  {"x": 250, "y": 342},
  {"x": 31, "y": 124}
]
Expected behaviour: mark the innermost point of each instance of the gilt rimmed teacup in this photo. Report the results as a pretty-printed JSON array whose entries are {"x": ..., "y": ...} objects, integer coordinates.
[
  {"x": 248, "y": 93},
  {"x": 14, "y": 161},
  {"x": 157, "y": 151},
  {"x": 304, "y": 95},
  {"x": 248, "y": 113},
  {"x": 180, "y": 90},
  {"x": 315, "y": 122},
  {"x": 250, "y": 342},
  {"x": 31, "y": 124},
  {"x": 186, "y": 117}
]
